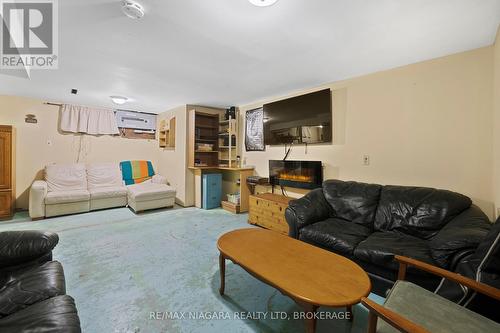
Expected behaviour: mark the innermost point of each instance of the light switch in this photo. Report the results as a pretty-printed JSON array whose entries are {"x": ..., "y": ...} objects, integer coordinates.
[
  {"x": 366, "y": 159},
  {"x": 49, "y": 142}
]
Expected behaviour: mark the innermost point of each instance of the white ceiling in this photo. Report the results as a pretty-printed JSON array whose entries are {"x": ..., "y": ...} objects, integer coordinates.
[{"x": 229, "y": 52}]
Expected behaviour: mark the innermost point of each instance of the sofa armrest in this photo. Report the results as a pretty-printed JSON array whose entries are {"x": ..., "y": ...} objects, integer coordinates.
[
  {"x": 465, "y": 231},
  {"x": 38, "y": 192},
  {"x": 159, "y": 179},
  {"x": 309, "y": 209},
  {"x": 18, "y": 247}
]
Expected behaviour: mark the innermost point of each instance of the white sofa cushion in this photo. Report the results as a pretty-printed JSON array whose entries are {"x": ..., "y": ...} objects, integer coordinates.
[
  {"x": 104, "y": 175},
  {"x": 66, "y": 177},
  {"x": 150, "y": 191},
  {"x": 108, "y": 192},
  {"x": 59, "y": 197}
]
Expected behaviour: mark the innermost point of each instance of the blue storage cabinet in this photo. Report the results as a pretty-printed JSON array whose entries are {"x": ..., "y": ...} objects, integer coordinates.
[{"x": 211, "y": 190}]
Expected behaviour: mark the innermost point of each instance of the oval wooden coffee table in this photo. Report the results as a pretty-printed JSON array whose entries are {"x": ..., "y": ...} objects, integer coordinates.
[{"x": 311, "y": 276}]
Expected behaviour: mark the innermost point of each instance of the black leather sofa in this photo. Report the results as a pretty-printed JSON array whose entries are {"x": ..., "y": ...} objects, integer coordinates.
[
  {"x": 371, "y": 223},
  {"x": 32, "y": 286}
]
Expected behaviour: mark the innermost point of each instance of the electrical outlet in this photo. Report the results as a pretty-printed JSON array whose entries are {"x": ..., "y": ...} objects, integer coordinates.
[{"x": 366, "y": 159}]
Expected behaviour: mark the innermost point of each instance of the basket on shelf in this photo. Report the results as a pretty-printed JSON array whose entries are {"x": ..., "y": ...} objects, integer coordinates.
[{"x": 234, "y": 198}]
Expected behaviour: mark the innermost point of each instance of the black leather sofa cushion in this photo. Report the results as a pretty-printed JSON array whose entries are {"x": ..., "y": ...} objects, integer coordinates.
[
  {"x": 335, "y": 234},
  {"x": 54, "y": 315},
  {"x": 466, "y": 231},
  {"x": 352, "y": 201},
  {"x": 380, "y": 247},
  {"x": 22, "y": 246},
  {"x": 28, "y": 287},
  {"x": 417, "y": 211}
]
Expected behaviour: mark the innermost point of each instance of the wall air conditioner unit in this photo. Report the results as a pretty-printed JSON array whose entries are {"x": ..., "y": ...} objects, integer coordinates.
[{"x": 136, "y": 120}]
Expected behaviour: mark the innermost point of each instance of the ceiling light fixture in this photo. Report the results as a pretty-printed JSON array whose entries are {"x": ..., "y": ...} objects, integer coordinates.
[
  {"x": 263, "y": 3},
  {"x": 119, "y": 100},
  {"x": 132, "y": 9}
]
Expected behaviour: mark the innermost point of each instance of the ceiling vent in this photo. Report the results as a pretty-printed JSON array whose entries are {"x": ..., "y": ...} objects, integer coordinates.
[{"x": 132, "y": 9}]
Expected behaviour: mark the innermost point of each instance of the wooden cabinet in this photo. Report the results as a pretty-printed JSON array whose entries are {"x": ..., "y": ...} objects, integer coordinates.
[
  {"x": 268, "y": 210},
  {"x": 5, "y": 204},
  {"x": 5, "y": 157},
  {"x": 166, "y": 133},
  {"x": 7, "y": 171}
]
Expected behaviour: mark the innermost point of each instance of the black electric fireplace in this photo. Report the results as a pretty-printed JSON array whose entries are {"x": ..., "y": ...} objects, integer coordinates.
[{"x": 299, "y": 174}]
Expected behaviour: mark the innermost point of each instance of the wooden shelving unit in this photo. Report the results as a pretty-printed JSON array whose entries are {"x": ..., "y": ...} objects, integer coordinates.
[
  {"x": 166, "y": 134},
  {"x": 228, "y": 148},
  {"x": 206, "y": 128},
  {"x": 207, "y": 125}
]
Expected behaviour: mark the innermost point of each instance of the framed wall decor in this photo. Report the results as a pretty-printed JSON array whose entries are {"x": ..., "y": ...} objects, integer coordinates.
[{"x": 254, "y": 130}]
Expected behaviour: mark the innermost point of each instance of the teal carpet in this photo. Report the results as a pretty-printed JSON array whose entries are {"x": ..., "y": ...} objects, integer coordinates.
[{"x": 158, "y": 272}]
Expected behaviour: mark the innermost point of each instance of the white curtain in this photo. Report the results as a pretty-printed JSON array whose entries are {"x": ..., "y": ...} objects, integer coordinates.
[{"x": 82, "y": 119}]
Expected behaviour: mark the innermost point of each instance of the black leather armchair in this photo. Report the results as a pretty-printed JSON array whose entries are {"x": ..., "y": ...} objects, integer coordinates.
[
  {"x": 20, "y": 249},
  {"x": 482, "y": 265},
  {"x": 371, "y": 223},
  {"x": 32, "y": 287}
]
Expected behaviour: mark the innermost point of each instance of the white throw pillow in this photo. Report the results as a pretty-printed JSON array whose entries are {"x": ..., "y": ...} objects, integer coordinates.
[
  {"x": 104, "y": 175},
  {"x": 65, "y": 177}
]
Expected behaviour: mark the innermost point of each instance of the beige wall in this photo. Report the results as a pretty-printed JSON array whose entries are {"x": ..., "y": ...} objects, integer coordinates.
[
  {"x": 172, "y": 162},
  {"x": 426, "y": 124},
  {"x": 496, "y": 122},
  {"x": 33, "y": 152}
]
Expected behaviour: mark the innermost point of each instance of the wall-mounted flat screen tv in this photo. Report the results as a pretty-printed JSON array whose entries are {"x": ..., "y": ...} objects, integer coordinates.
[{"x": 304, "y": 119}]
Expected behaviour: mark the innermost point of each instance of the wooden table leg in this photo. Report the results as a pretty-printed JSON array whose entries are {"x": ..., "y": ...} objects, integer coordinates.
[
  {"x": 350, "y": 313},
  {"x": 222, "y": 270},
  {"x": 310, "y": 317}
]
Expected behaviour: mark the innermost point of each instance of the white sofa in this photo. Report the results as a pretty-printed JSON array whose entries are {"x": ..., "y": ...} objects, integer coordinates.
[{"x": 78, "y": 188}]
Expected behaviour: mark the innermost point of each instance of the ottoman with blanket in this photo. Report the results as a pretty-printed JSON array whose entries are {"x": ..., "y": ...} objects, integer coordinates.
[{"x": 145, "y": 189}]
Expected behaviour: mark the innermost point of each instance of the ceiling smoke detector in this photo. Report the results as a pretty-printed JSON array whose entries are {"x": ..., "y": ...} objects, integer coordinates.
[
  {"x": 132, "y": 9},
  {"x": 263, "y": 3},
  {"x": 119, "y": 100}
]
